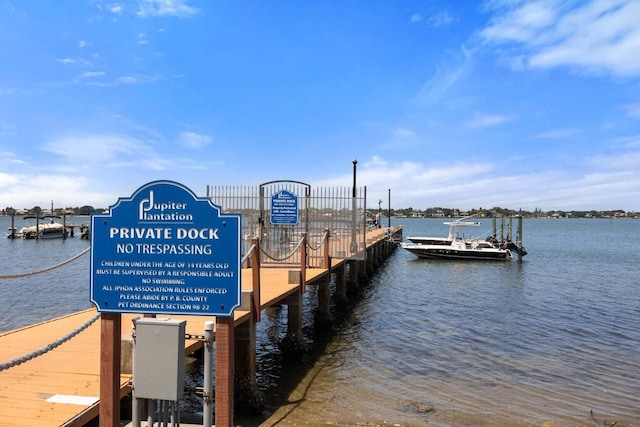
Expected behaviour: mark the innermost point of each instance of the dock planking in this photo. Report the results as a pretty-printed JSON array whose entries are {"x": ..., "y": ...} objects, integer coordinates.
[{"x": 62, "y": 386}]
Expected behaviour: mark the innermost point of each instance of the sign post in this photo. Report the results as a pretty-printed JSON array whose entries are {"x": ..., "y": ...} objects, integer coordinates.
[{"x": 161, "y": 251}]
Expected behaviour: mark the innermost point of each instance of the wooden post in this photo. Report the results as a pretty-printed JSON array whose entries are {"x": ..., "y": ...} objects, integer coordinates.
[
  {"x": 519, "y": 243},
  {"x": 224, "y": 371},
  {"x": 495, "y": 227},
  {"x": 363, "y": 274},
  {"x": 326, "y": 251},
  {"x": 324, "y": 291},
  {"x": 369, "y": 263},
  {"x": 352, "y": 283},
  {"x": 510, "y": 229},
  {"x": 245, "y": 354},
  {"x": 294, "y": 314},
  {"x": 255, "y": 274},
  {"x": 341, "y": 290},
  {"x": 110, "y": 336},
  {"x": 303, "y": 264},
  {"x": 13, "y": 227}
]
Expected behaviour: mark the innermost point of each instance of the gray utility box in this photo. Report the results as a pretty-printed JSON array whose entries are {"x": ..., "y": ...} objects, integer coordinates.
[{"x": 158, "y": 359}]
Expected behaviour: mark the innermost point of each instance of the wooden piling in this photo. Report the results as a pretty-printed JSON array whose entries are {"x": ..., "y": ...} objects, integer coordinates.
[
  {"x": 352, "y": 283},
  {"x": 341, "y": 289},
  {"x": 110, "y": 369},
  {"x": 225, "y": 332},
  {"x": 519, "y": 242}
]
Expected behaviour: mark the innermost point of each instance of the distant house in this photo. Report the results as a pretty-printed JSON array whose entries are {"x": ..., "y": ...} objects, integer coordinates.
[{"x": 438, "y": 214}]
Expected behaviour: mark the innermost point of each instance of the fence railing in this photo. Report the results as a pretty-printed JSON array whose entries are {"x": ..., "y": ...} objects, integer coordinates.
[{"x": 321, "y": 208}]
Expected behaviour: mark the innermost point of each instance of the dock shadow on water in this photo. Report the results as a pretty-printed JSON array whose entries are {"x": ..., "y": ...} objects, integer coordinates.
[{"x": 286, "y": 367}]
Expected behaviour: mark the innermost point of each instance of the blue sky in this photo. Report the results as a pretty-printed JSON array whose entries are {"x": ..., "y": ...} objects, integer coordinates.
[{"x": 464, "y": 104}]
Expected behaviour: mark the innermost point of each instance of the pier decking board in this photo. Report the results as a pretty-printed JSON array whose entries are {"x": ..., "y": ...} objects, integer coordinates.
[{"x": 73, "y": 368}]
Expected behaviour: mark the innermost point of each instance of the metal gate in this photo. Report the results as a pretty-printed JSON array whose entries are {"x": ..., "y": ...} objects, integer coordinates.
[{"x": 279, "y": 212}]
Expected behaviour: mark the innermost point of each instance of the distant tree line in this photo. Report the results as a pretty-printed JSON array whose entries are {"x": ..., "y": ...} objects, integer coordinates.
[
  {"x": 434, "y": 212},
  {"x": 37, "y": 210},
  {"x": 441, "y": 212}
]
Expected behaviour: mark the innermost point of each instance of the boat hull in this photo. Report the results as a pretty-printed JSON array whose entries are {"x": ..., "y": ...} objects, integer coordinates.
[
  {"x": 430, "y": 240},
  {"x": 450, "y": 253},
  {"x": 44, "y": 231}
]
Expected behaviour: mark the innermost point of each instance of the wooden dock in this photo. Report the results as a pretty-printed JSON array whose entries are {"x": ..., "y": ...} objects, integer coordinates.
[{"x": 61, "y": 387}]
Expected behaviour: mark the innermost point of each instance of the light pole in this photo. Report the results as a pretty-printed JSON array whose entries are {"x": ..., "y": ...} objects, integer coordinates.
[
  {"x": 355, "y": 162},
  {"x": 354, "y": 245},
  {"x": 389, "y": 209},
  {"x": 379, "y": 213}
]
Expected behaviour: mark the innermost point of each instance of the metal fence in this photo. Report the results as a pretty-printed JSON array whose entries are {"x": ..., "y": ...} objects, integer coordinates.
[{"x": 317, "y": 209}]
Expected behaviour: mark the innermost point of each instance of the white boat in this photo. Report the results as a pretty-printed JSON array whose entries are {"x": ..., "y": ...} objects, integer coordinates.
[
  {"x": 45, "y": 230},
  {"x": 458, "y": 249},
  {"x": 456, "y": 246}
]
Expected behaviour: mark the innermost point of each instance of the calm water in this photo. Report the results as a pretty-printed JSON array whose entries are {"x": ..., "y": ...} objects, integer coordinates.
[
  {"x": 435, "y": 342},
  {"x": 40, "y": 297}
]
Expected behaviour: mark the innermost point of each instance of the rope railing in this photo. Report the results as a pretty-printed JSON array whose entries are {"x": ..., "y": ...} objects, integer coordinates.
[
  {"x": 286, "y": 257},
  {"x": 45, "y": 270},
  {"x": 48, "y": 347},
  {"x": 392, "y": 237},
  {"x": 248, "y": 254},
  {"x": 324, "y": 237}
]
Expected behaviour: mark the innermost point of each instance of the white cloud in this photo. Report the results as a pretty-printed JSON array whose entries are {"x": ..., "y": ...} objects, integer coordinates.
[
  {"x": 104, "y": 149},
  {"x": 444, "y": 78},
  {"x": 440, "y": 19},
  {"x": 178, "y": 8},
  {"x": 194, "y": 140},
  {"x": 27, "y": 191},
  {"x": 595, "y": 36},
  {"x": 416, "y": 17},
  {"x": 91, "y": 74},
  {"x": 632, "y": 110},
  {"x": 598, "y": 183},
  {"x": 376, "y": 161},
  {"x": 521, "y": 24},
  {"x": 115, "y": 8},
  {"x": 7, "y": 180},
  {"x": 127, "y": 80},
  {"x": 404, "y": 133},
  {"x": 485, "y": 120},
  {"x": 556, "y": 134}
]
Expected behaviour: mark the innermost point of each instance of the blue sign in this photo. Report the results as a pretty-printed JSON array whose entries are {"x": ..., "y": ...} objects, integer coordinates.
[
  {"x": 284, "y": 208},
  {"x": 166, "y": 251}
]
